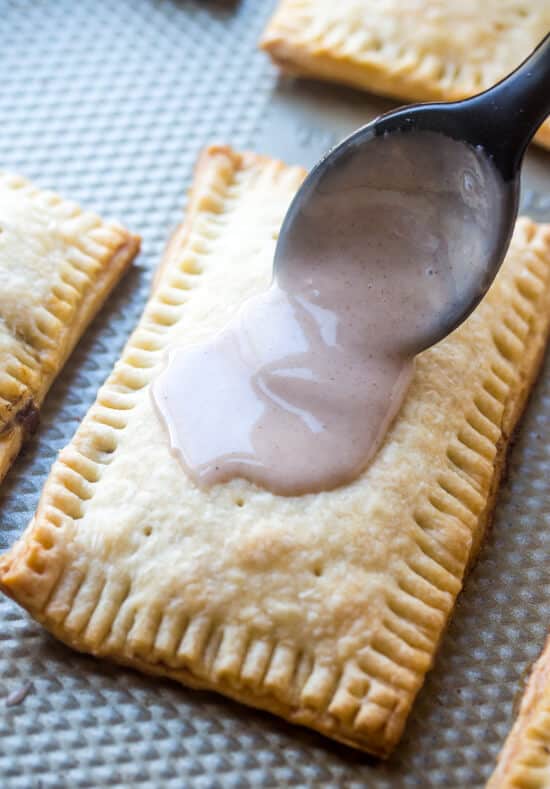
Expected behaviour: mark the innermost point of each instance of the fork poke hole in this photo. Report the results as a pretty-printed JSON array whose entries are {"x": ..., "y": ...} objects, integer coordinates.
[
  {"x": 239, "y": 502},
  {"x": 318, "y": 570},
  {"x": 147, "y": 531}
]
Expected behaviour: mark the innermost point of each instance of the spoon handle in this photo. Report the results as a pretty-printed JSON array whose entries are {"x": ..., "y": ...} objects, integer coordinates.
[
  {"x": 510, "y": 113},
  {"x": 501, "y": 120}
]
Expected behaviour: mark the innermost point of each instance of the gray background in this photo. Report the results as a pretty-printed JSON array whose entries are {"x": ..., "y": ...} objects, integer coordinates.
[{"x": 109, "y": 101}]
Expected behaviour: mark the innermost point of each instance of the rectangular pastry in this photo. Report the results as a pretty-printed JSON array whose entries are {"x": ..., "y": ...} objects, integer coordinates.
[
  {"x": 326, "y": 609},
  {"x": 524, "y": 762},
  {"x": 422, "y": 50},
  {"x": 57, "y": 266}
]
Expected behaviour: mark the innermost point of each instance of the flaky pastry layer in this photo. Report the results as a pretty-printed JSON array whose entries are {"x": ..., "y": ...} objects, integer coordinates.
[
  {"x": 412, "y": 50},
  {"x": 326, "y": 609},
  {"x": 524, "y": 762},
  {"x": 57, "y": 266}
]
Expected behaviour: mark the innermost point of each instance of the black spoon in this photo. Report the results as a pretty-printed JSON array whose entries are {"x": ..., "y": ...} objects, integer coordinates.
[{"x": 498, "y": 124}]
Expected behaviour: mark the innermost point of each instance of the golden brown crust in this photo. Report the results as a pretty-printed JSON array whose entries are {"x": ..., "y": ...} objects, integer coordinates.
[
  {"x": 524, "y": 762},
  {"x": 325, "y": 609},
  {"x": 57, "y": 266},
  {"x": 418, "y": 51},
  {"x": 532, "y": 362}
]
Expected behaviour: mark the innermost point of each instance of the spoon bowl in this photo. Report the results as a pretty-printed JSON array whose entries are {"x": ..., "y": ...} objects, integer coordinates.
[{"x": 453, "y": 167}]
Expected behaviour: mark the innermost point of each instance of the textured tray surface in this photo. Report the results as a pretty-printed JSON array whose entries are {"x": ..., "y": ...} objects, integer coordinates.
[{"x": 109, "y": 101}]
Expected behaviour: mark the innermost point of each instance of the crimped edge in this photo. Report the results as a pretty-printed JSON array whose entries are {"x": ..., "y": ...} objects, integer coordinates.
[
  {"x": 524, "y": 761},
  {"x": 415, "y": 80},
  {"x": 365, "y": 705},
  {"x": 120, "y": 248}
]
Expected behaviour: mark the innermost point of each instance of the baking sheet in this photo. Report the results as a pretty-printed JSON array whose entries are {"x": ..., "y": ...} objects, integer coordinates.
[{"x": 110, "y": 101}]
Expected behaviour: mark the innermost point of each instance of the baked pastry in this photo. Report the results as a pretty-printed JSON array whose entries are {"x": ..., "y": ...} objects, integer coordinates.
[
  {"x": 326, "y": 608},
  {"x": 422, "y": 50},
  {"x": 57, "y": 266},
  {"x": 524, "y": 762}
]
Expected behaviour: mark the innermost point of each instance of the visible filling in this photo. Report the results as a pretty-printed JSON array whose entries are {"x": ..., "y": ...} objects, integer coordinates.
[
  {"x": 297, "y": 393},
  {"x": 27, "y": 417}
]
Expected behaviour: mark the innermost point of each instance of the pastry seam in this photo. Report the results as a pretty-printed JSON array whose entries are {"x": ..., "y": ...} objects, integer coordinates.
[
  {"x": 365, "y": 701},
  {"x": 98, "y": 254},
  {"x": 346, "y": 53},
  {"x": 524, "y": 762}
]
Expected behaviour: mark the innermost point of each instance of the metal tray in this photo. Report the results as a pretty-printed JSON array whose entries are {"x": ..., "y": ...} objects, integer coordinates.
[{"x": 110, "y": 101}]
